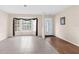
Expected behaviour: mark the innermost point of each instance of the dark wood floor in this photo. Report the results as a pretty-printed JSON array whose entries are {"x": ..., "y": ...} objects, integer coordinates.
[{"x": 63, "y": 47}]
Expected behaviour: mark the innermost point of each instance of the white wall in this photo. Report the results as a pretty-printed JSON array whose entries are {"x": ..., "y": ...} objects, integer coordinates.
[
  {"x": 3, "y": 25},
  {"x": 70, "y": 31},
  {"x": 40, "y": 22}
]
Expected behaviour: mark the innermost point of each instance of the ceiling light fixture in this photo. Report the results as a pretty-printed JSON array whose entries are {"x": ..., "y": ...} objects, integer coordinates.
[{"x": 25, "y": 5}]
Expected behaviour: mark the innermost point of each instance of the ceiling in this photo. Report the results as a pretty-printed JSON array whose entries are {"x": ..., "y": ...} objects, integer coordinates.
[{"x": 33, "y": 9}]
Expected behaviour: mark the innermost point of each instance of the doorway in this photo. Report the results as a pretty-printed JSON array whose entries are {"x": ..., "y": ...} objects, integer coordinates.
[
  {"x": 49, "y": 27},
  {"x": 22, "y": 26}
]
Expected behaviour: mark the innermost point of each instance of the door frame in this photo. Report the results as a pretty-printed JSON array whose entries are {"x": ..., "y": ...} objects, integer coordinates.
[{"x": 25, "y": 19}]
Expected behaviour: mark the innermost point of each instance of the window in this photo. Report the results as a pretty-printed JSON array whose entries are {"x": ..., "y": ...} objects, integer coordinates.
[
  {"x": 22, "y": 25},
  {"x": 17, "y": 25},
  {"x": 26, "y": 25}
]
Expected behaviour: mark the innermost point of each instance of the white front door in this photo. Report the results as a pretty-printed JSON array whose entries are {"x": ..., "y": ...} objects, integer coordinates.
[{"x": 49, "y": 26}]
